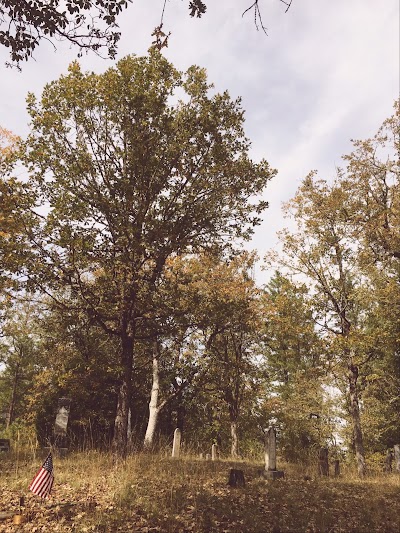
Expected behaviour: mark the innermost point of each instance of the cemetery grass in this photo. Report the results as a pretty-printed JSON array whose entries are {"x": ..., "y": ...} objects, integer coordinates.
[{"x": 155, "y": 493}]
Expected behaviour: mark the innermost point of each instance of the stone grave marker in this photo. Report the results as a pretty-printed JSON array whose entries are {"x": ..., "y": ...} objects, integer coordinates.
[
  {"x": 397, "y": 458},
  {"x": 336, "y": 467},
  {"x": 271, "y": 471},
  {"x": 176, "y": 447},
  {"x": 388, "y": 461},
  {"x": 4, "y": 445},
  {"x": 214, "y": 452},
  {"x": 61, "y": 425},
  {"x": 323, "y": 462}
]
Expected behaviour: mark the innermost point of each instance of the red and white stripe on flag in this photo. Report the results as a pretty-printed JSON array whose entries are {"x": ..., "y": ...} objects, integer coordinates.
[{"x": 43, "y": 481}]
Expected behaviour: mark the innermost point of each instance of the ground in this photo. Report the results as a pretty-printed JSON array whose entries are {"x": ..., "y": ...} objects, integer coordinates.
[{"x": 155, "y": 493}]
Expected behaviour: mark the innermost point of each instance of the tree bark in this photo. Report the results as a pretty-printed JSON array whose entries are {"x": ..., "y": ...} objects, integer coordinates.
[
  {"x": 355, "y": 415},
  {"x": 120, "y": 439},
  {"x": 153, "y": 404},
  {"x": 234, "y": 439},
  {"x": 11, "y": 409}
]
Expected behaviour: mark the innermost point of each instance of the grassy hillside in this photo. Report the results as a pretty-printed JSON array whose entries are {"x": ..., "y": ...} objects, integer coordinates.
[{"x": 154, "y": 493}]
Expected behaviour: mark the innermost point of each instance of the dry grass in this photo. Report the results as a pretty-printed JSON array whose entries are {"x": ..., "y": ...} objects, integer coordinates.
[{"x": 154, "y": 493}]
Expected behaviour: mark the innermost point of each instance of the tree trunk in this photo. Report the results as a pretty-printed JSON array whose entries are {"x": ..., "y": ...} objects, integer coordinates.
[
  {"x": 11, "y": 409},
  {"x": 355, "y": 415},
  {"x": 234, "y": 439},
  {"x": 120, "y": 439},
  {"x": 153, "y": 404}
]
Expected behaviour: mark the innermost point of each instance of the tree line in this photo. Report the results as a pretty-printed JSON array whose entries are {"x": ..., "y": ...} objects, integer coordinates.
[{"x": 125, "y": 285}]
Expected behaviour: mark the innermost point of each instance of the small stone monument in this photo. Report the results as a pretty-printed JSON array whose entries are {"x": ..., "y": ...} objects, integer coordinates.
[
  {"x": 214, "y": 452},
  {"x": 336, "y": 468},
  {"x": 388, "y": 462},
  {"x": 4, "y": 445},
  {"x": 60, "y": 426},
  {"x": 271, "y": 471},
  {"x": 236, "y": 478},
  {"x": 397, "y": 457},
  {"x": 323, "y": 462},
  {"x": 176, "y": 447}
]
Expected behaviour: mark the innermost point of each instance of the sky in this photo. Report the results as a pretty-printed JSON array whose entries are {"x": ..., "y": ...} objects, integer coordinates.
[{"x": 327, "y": 72}]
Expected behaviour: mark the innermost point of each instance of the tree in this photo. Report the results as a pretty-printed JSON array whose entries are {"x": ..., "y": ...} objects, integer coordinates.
[
  {"x": 371, "y": 181},
  {"x": 90, "y": 25},
  {"x": 128, "y": 180},
  {"x": 9, "y": 224},
  {"x": 18, "y": 355},
  {"x": 295, "y": 362},
  {"x": 323, "y": 250},
  {"x": 228, "y": 313}
]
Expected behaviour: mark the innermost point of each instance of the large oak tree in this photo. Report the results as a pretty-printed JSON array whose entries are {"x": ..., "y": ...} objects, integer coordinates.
[{"x": 124, "y": 176}]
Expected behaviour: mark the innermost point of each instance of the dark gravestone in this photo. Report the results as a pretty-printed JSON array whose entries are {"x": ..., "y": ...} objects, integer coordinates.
[
  {"x": 4, "y": 445},
  {"x": 236, "y": 478},
  {"x": 323, "y": 462},
  {"x": 336, "y": 467}
]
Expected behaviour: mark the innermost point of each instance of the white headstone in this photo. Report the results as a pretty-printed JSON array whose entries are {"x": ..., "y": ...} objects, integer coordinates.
[
  {"x": 270, "y": 449},
  {"x": 214, "y": 452},
  {"x": 397, "y": 457},
  {"x": 177, "y": 443}
]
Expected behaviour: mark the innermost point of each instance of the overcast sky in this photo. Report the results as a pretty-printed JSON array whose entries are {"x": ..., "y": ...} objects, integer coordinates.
[{"x": 327, "y": 72}]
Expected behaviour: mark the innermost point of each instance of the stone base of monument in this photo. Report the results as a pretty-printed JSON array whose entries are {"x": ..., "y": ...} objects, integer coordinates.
[{"x": 273, "y": 474}]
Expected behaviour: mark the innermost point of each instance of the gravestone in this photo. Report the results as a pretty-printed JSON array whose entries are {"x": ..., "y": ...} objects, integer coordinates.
[
  {"x": 4, "y": 445},
  {"x": 397, "y": 458},
  {"x": 388, "y": 461},
  {"x": 236, "y": 478},
  {"x": 208, "y": 456},
  {"x": 214, "y": 452},
  {"x": 323, "y": 462},
  {"x": 336, "y": 467},
  {"x": 176, "y": 447},
  {"x": 61, "y": 425},
  {"x": 271, "y": 471}
]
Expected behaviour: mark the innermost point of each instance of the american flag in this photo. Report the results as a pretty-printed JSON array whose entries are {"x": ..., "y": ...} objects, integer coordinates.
[{"x": 43, "y": 481}]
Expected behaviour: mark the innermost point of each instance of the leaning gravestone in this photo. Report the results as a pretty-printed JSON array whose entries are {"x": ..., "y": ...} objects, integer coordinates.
[
  {"x": 271, "y": 471},
  {"x": 177, "y": 443},
  {"x": 397, "y": 458}
]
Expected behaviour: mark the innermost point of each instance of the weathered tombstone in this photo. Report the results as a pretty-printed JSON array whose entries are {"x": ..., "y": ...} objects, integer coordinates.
[
  {"x": 60, "y": 426},
  {"x": 270, "y": 456},
  {"x": 336, "y": 467},
  {"x": 63, "y": 409},
  {"x": 4, "y": 445},
  {"x": 208, "y": 456},
  {"x": 176, "y": 447},
  {"x": 201, "y": 455},
  {"x": 397, "y": 458},
  {"x": 236, "y": 478},
  {"x": 323, "y": 462},
  {"x": 388, "y": 461},
  {"x": 214, "y": 452}
]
